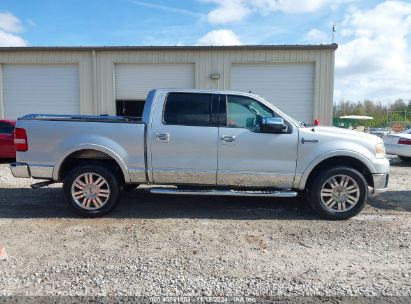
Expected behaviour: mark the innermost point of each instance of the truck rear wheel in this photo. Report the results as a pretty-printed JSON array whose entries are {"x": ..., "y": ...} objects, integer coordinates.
[
  {"x": 91, "y": 191},
  {"x": 338, "y": 193}
]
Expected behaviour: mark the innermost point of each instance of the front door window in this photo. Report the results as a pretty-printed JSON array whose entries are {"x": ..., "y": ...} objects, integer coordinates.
[{"x": 244, "y": 112}]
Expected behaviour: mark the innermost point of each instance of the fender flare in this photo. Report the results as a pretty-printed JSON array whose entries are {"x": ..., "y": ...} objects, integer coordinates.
[
  {"x": 95, "y": 147},
  {"x": 344, "y": 153}
]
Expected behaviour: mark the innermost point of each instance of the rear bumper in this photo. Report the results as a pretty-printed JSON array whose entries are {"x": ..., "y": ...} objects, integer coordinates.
[
  {"x": 20, "y": 170},
  {"x": 380, "y": 183},
  {"x": 24, "y": 170}
]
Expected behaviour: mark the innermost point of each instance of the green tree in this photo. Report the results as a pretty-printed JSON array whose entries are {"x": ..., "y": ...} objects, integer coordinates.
[{"x": 377, "y": 110}]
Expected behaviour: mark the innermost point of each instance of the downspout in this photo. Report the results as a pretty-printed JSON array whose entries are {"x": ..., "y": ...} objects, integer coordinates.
[{"x": 94, "y": 77}]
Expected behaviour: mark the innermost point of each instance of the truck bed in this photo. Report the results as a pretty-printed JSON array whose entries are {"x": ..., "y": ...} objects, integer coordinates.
[{"x": 51, "y": 138}]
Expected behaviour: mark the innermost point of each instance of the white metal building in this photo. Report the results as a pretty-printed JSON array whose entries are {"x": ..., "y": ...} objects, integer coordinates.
[{"x": 299, "y": 79}]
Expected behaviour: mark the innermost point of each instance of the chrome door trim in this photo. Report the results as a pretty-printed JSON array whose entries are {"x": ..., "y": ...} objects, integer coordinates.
[
  {"x": 255, "y": 179},
  {"x": 173, "y": 176}
]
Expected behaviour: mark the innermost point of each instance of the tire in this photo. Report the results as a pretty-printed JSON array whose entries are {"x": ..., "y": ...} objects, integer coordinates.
[
  {"x": 338, "y": 193},
  {"x": 129, "y": 187},
  {"x": 102, "y": 189}
]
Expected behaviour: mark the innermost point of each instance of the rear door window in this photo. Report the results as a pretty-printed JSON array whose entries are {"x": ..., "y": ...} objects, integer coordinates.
[{"x": 188, "y": 109}]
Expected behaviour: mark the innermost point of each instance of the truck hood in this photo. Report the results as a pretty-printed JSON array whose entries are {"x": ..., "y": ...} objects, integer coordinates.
[
  {"x": 340, "y": 132},
  {"x": 327, "y": 140}
]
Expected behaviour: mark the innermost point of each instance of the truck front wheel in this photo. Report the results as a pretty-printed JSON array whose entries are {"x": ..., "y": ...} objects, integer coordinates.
[
  {"x": 338, "y": 193},
  {"x": 91, "y": 191}
]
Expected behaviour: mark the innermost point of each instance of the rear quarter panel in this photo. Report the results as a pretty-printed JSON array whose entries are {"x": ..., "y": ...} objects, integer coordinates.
[{"x": 50, "y": 142}]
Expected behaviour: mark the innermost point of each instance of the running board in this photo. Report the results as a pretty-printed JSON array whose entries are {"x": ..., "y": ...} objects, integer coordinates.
[{"x": 223, "y": 192}]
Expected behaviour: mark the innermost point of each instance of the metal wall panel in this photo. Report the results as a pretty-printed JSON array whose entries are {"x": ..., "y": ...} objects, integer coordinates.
[
  {"x": 220, "y": 61},
  {"x": 97, "y": 76}
]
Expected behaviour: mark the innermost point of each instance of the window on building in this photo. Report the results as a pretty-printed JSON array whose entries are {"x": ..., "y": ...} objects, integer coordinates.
[
  {"x": 244, "y": 112},
  {"x": 6, "y": 128},
  {"x": 190, "y": 109},
  {"x": 132, "y": 108}
]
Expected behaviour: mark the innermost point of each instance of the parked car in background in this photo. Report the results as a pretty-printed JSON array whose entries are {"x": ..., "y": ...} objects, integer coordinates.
[
  {"x": 399, "y": 144},
  {"x": 7, "y": 149},
  {"x": 380, "y": 132}
]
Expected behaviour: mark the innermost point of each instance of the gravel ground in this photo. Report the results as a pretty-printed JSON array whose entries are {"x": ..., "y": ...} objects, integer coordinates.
[{"x": 154, "y": 245}]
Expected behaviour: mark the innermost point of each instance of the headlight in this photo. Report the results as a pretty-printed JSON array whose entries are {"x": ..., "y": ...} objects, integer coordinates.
[{"x": 379, "y": 150}]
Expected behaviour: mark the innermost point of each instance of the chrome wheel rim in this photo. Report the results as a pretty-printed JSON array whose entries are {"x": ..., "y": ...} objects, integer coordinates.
[
  {"x": 90, "y": 191},
  {"x": 340, "y": 193}
]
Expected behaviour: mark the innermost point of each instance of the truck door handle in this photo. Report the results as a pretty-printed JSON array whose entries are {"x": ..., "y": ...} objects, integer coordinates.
[
  {"x": 227, "y": 138},
  {"x": 165, "y": 137}
]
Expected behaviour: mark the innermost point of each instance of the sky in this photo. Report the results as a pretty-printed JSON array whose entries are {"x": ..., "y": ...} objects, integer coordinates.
[{"x": 373, "y": 59}]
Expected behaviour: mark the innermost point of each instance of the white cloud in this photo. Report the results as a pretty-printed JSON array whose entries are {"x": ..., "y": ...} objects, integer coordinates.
[
  {"x": 220, "y": 37},
  {"x": 7, "y": 39},
  {"x": 236, "y": 10},
  {"x": 228, "y": 11},
  {"x": 292, "y": 6},
  {"x": 316, "y": 36},
  {"x": 375, "y": 60},
  {"x": 9, "y": 26},
  {"x": 10, "y": 23}
]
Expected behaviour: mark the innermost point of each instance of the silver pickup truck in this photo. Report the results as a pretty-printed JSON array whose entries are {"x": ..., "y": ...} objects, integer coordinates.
[{"x": 198, "y": 142}]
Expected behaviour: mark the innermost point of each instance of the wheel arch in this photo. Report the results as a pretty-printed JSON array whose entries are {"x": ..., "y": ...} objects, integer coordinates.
[
  {"x": 359, "y": 163},
  {"x": 89, "y": 153}
]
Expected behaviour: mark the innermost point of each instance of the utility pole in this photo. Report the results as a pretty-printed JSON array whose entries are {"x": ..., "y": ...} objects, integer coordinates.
[{"x": 388, "y": 125}]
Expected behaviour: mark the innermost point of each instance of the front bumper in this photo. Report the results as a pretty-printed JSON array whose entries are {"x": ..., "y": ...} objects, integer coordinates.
[{"x": 380, "y": 181}]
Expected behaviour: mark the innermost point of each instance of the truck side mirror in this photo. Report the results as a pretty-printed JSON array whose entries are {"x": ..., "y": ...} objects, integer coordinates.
[{"x": 273, "y": 125}]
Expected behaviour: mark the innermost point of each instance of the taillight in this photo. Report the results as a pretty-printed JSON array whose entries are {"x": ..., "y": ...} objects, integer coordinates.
[
  {"x": 404, "y": 141},
  {"x": 20, "y": 140}
]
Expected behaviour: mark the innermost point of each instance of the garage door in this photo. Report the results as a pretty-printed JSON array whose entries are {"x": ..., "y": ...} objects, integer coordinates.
[
  {"x": 290, "y": 87},
  {"x": 134, "y": 81},
  {"x": 45, "y": 89}
]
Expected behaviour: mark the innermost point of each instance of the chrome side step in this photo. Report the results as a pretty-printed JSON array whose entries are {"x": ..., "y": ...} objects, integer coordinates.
[{"x": 260, "y": 193}]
